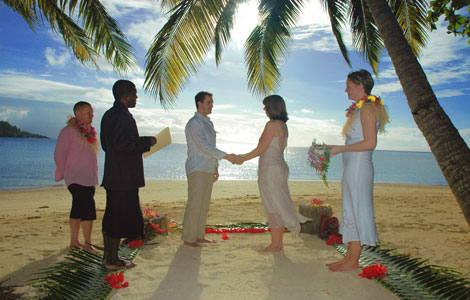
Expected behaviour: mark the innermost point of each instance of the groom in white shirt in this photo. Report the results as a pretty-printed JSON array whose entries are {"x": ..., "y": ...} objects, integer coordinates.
[{"x": 201, "y": 170}]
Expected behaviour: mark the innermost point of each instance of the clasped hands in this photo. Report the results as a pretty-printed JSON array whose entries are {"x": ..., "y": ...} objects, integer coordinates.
[{"x": 234, "y": 158}]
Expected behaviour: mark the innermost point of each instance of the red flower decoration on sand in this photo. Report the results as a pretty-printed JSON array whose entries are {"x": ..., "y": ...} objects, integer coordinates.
[
  {"x": 116, "y": 281},
  {"x": 333, "y": 239},
  {"x": 225, "y": 236},
  {"x": 375, "y": 271},
  {"x": 136, "y": 244}
]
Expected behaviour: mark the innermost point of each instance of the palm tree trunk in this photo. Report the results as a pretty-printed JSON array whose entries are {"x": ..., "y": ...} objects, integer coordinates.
[{"x": 449, "y": 149}]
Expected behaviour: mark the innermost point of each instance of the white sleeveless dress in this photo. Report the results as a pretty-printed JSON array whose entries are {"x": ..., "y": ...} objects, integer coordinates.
[
  {"x": 273, "y": 174},
  {"x": 358, "y": 220}
]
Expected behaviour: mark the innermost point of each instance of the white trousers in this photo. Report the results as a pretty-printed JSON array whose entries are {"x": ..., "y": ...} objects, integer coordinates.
[{"x": 199, "y": 197}]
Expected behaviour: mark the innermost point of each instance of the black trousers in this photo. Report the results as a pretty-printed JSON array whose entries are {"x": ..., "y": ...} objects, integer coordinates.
[{"x": 123, "y": 215}]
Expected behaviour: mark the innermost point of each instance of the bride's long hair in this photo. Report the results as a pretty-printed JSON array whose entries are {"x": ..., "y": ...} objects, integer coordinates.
[{"x": 363, "y": 77}]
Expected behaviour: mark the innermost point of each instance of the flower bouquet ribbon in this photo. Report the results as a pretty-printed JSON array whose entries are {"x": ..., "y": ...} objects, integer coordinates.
[{"x": 318, "y": 157}]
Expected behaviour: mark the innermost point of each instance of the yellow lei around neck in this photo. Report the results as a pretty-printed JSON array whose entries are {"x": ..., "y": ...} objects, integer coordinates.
[{"x": 353, "y": 109}]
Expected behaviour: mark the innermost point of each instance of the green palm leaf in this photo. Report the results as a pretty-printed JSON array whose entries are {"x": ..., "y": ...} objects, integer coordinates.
[
  {"x": 366, "y": 37},
  {"x": 180, "y": 47},
  {"x": 80, "y": 276},
  {"x": 411, "y": 15},
  {"x": 100, "y": 35},
  {"x": 268, "y": 44},
  {"x": 337, "y": 10},
  {"x": 223, "y": 27},
  {"x": 102, "y": 29},
  {"x": 410, "y": 278}
]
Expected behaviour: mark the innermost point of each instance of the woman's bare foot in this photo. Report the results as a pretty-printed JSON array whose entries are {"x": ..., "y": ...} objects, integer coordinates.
[
  {"x": 335, "y": 263},
  {"x": 272, "y": 248},
  {"x": 88, "y": 247},
  {"x": 344, "y": 266},
  {"x": 191, "y": 244},
  {"x": 76, "y": 245}
]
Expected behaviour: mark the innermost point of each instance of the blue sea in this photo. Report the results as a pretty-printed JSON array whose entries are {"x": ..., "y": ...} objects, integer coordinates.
[{"x": 29, "y": 163}]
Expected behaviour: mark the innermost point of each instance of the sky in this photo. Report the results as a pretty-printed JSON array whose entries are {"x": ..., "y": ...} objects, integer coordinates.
[{"x": 40, "y": 80}]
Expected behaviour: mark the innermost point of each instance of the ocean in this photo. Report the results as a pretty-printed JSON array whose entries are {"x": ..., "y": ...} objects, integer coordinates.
[{"x": 29, "y": 163}]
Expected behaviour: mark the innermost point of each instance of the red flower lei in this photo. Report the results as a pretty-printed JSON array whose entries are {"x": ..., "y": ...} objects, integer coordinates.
[{"x": 89, "y": 134}]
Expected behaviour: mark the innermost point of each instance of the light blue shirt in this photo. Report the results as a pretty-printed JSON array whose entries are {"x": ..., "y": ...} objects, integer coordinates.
[{"x": 203, "y": 156}]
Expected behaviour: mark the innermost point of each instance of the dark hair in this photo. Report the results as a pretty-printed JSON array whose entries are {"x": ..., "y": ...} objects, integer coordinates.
[
  {"x": 276, "y": 108},
  {"x": 201, "y": 96},
  {"x": 363, "y": 78},
  {"x": 122, "y": 88},
  {"x": 79, "y": 106}
]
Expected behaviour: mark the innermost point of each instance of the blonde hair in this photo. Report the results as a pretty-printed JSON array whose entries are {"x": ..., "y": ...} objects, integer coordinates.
[{"x": 381, "y": 113}]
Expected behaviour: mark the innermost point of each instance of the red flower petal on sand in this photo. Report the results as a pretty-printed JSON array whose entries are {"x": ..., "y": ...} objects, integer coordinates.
[
  {"x": 375, "y": 271},
  {"x": 225, "y": 236},
  {"x": 333, "y": 239},
  {"x": 125, "y": 284}
]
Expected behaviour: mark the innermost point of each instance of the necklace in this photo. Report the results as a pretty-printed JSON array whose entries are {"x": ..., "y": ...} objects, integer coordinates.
[
  {"x": 89, "y": 134},
  {"x": 365, "y": 99}
]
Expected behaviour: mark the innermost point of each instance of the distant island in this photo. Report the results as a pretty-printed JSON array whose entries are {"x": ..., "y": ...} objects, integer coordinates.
[{"x": 7, "y": 130}]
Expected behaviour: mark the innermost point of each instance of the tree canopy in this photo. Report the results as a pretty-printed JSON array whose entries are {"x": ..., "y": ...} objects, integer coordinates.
[{"x": 458, "y": 23}]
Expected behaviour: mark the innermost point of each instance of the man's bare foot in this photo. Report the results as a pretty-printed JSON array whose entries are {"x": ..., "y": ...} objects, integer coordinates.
[
  {"x": 272, "y": 248},
  {"x": 344, "y": 266},
  {"x": 191, "y": 244},
  {"x": 205, "y": 241}
]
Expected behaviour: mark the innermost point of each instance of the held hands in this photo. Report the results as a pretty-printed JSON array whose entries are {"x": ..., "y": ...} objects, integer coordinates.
[{"x": 234, "y": 159}]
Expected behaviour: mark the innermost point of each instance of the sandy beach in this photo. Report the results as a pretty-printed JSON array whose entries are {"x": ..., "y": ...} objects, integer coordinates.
[{"x": 423, "y": 221}]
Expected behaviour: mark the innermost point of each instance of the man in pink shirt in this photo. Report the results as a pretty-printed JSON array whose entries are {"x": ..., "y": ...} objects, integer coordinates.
[{"x": 75, "y": 157}]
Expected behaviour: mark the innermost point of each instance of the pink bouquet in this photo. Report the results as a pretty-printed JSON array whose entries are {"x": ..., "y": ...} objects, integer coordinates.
[{"x": 318, "y": 157}]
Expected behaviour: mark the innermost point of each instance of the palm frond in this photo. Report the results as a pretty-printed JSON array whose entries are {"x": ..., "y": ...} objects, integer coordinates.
[
  {"x": 26, "y": 11},
  {"x": 411, "y": 278},
  {"x": 366, "y": 37},
  {"x": 337, "y": 10},
  {"x": 268, "y": 44},
  {"x": 107, "y": 38},
  {"x": 80, "y": 276},
  {"x": 74, "y": 37},
  {"x": 411, "y": 15},
  {"x": 180, "y": 47},
  {"x": 223, "y": 27}
]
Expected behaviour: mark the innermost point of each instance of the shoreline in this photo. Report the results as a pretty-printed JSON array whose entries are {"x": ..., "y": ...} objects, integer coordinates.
[
  {"x": 60, "y": 185},
  {"x": 423, "y": 221}
]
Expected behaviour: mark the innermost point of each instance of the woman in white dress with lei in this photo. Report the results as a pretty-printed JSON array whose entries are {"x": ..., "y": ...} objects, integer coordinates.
[
  {"x": 365, "y": 117},
  {"x": 273, "y": 174}
]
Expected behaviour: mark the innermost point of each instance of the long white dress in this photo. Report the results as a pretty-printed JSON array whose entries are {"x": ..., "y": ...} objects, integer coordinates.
[
  {"x": 273, "y": 174},
  {"x": 358, "y": 219}
]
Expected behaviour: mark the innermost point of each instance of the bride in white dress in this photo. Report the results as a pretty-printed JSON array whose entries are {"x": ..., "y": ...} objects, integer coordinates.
[
  {"x": 365, "y": 117},
  {"x": 273, "y": 174}
]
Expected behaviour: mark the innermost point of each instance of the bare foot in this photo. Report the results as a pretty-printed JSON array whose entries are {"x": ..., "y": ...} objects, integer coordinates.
[
  {"x": 90, "y": 248},
  {"x": 344, "y": 266},
  {"x": 76, "y": 245},
  {"x": 191, "y": 244},
  {"x": 335, "y": 263},
  {"x": 272, "y": 248},
  {"x": 205, "y": 241}
]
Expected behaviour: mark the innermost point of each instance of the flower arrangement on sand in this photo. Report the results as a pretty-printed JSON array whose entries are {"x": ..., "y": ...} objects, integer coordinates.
[{"x": 318, "y": 157}]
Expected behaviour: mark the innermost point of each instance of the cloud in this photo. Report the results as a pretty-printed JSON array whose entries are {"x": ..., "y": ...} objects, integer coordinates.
[
  {"x": 8, "y": 113},
  {"x": 19, "y": 85},
  {"x": 54, "y": 58},
  {"x": 144, "y": 31},
  {"x": 400, "y": 138},
  {"x": 117, "y": 8}
]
